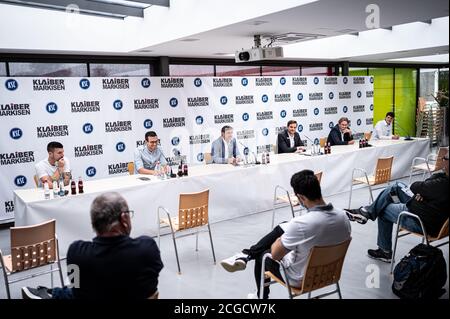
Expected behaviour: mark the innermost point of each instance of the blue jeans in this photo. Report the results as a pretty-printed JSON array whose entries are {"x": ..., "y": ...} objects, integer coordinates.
[
  {"x": 62, "y": 293},
  {"x": 387, "y": 213}
]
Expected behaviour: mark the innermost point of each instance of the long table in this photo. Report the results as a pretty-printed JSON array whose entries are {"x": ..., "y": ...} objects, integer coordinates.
[{"x": 234, "y": 191}]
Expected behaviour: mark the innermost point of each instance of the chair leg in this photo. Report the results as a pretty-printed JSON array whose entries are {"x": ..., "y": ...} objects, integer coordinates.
[
  {"x": 339, "y": 290},
  {"x": 273, "y": 207},
  {"x": 410, "y": 175},
  {"x": 309, "y": 295},
  {"x": 371, "y": 194},
  {"x": 5, "y": 277},
  {"x": 196, "y": 241},
  {"x": 395, "y": 247},
  {"x": 176, "y": 252},
  {"x": 350, "y": 197},
  {"x": 212, "y": 246},
  {"x": 61, "y": 277}
]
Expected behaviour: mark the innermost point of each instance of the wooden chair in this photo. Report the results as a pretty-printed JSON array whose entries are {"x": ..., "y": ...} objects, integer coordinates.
[
  {"x": 368, "y": 135},
  {"x": 287, "y": 198},
  {"x": 31, "y": 247},
  {"x": 401, "y": 232},
  {"x": 192, "y": 216},
  {"x": 433, "y": 163},
  {"x": 323, "y": 269},
  {"x": 381, "y": 175},
  {"x": 207, "y": 158},
  {"x": 131, "y": 168}
]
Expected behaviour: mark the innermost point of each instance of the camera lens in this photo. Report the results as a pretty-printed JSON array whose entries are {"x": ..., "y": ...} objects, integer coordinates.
[{"x": 244, "y": 56}]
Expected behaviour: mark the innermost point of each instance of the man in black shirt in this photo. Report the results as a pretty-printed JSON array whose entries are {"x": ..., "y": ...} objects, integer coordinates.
[
  {"x": 427, "y": 199},
  {"x": 341, "y": 134},
  {"x": 113, "y": 265}
]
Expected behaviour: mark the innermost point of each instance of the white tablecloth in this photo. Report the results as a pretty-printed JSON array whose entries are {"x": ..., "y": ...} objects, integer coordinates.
[{"x": 234, "y": 191}]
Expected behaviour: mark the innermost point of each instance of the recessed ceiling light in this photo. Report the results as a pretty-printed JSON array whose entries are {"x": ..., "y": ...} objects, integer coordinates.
[
  {"x": 190, "y": 40},
  {"x": 258, "y": 22}
]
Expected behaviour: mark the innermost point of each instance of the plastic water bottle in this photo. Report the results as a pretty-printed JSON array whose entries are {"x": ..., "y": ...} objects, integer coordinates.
[
  {"x": 263, "y": 158},
  {"x": 61, "y": 188},
  {"x": 158, "y": 170},
  {"x": 55, "y": 188},
  {"x": 46, "y": 191}
]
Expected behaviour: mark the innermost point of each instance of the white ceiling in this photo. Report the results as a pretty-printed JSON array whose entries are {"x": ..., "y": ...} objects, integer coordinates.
[
  {"x": 217, "y": 29},
  {"x": 329, "y": 18}
]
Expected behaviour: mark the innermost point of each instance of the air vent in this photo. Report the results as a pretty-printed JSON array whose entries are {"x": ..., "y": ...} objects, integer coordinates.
[{"x": 293, "y": 37}]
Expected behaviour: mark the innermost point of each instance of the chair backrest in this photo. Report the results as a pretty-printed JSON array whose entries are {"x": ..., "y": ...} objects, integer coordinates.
[
  {"x": 440, "y": 158},
  {"x": 324, "y": 266},
  {"x": 383, "y": 170},
  {"x": 131, "y": 168},
  {"x": 319, "y": 176},
  {"x": 33, "y": 246},
  {"x": 444, "y": 231},
  {"x": 207, "y": 158},
  {"x": 36, "y": 180},
  {"x": 193, "y": 210},
  {"x": 368, "y": 135},
  {"x": 323, "y": 142}
]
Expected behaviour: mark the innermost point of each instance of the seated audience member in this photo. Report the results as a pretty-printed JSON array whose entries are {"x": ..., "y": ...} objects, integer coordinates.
[
  {"x": 113, "y": 265},
  {"x": 288, "y": 140},
  {"x": 383, "y": 129},
  {"x": 224, "y": 150},
  {"x": 55, "y": 165},
  {"x": 147, "y": 156},
  {"x": 292, "y": 242},
  {"x": 427, "y": 199},
  {"x": 341, "y": 134}
]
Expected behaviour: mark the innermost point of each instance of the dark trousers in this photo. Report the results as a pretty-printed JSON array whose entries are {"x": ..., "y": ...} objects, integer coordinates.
[{"x": 257, "y": 252}]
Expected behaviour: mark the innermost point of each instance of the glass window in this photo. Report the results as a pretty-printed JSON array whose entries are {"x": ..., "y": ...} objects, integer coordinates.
[
  {"x": 317, "y": 71},
  {"x": 383, "y": 99},
  {"x": 237, "y": 70},
  {"x": 2, "y": 69},
  {"x": 405, "y": 101},
  {"x": 191, "y": 70},
  {"x": 357, "y": 71},
  {"x": 48, "y": 69},
  {"x": 280, "y": 70},
  {"x": 119, "y": 69},
  {"x": 428, "y": 83}
]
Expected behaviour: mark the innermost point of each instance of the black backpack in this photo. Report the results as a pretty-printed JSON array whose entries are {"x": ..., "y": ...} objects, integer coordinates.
[{"x": 421, "y": 274}]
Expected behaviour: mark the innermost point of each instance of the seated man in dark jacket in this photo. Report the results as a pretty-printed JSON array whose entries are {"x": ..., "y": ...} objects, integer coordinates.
[
  {"x": 288, "y": 140},
  {"x": 113, "y": 265},
  {"x": 341, "y": 134},
  {"x": 427, "y": 199}
]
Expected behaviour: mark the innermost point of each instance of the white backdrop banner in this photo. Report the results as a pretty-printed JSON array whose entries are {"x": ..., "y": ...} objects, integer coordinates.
[{"x": 100, "y": 121}]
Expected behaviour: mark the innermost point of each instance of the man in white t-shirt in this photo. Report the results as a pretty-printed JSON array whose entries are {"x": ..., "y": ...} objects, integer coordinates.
[
  {"x": 51, "y": 168},
  {"x": 292, "y": 242},
  {"x": 383, "y": 129}
]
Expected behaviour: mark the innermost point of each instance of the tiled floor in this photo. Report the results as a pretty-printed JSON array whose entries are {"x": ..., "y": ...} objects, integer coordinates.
[{"x": 202, "y": 279}]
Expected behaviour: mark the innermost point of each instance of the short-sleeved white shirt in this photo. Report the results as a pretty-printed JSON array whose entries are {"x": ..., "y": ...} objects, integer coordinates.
[
  {"x": 321, "y": 226},
  {"x": 43, "y": 168}
]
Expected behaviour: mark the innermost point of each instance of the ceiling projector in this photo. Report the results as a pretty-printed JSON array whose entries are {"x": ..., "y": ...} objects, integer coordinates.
[{"x": 256, "y": 54}]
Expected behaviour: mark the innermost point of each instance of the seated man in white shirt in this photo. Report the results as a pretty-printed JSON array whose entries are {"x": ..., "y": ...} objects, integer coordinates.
[
  {"x": 292, "y": 242},
  {"x": 383, "y": 129},
  {"x": 54, "y": 166}
]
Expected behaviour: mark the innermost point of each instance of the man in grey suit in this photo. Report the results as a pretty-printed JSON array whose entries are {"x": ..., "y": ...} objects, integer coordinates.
[{"x": 224, "y": 150}]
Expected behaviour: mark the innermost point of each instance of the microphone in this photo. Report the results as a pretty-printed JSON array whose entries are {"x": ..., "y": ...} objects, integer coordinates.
[
  {"x": 256, "y": 159},
  {"x": 407, "y": 137}
]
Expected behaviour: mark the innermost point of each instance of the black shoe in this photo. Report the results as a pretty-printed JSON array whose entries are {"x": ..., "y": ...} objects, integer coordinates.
[
  {"x": 380, "y": 254},
  {"x": 355, "y": 216},
  {"x": 36, "y": 293}
]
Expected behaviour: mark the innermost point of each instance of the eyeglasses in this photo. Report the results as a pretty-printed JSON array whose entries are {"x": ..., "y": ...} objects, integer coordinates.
[
  {"x": 130, "y": 212},
  {"x": 153, "y": 142}
]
